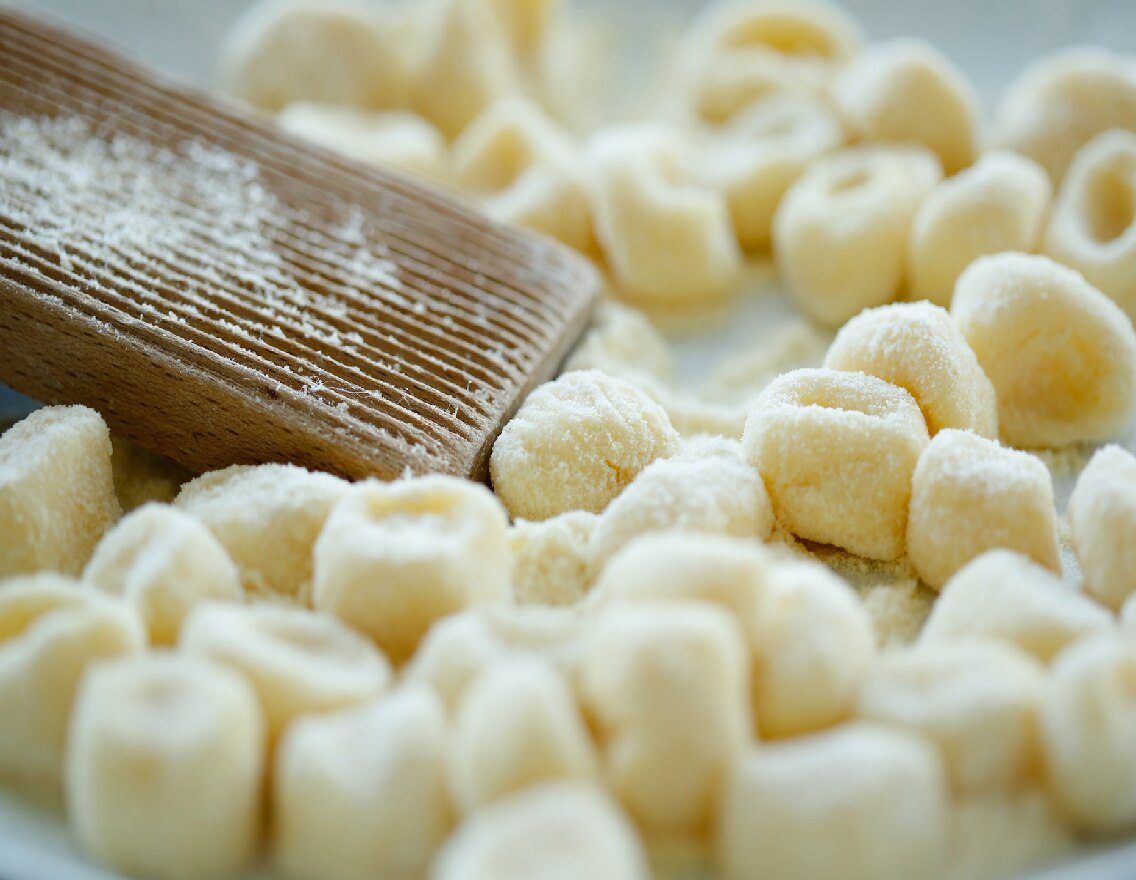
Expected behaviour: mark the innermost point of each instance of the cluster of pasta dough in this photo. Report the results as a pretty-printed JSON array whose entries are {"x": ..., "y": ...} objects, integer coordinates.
[{"x": 825, "y": 615}]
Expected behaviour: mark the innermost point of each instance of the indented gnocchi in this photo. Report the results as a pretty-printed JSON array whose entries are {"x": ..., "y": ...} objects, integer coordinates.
[
  {"x": 51, "y": 630},
  {"x": 267, "y": 517},
  {"x": 970, "y": 495},
  {"x": 395, "y": 557},
  {"x": 1008, "y": 597},
  {"x": 467, "y": 63},
  {"x": 1102, "y": 517},
  {"x": 840, "y": 233},
  {"x": 341, "y": 52},
  {"x": 401, "y": 139},
  {"x": 998, "y": 204},
  {"x": 576, "y": 443},
  {"x": 1061, "y": 354},
  {"x": 164, "y": 562},
  {"x": 740, "y": 51},
  {"x": 979, "y": 702},
  {"x": 836, "y": 451},
  {"x": 667, "y": 238},
  {"x": 918, "y": 347},
  {"x": 552, "y": 561},
  {"x": 1060, "y": 103},
  {"x": 812, "y": 644},
  {"x": 878, "y": 796},
  {"x": 1088, "y": 726},
  {"x": 165, "y": 767},
  {"x": 665, "y": 684},
  {"x": 57, "y": 494},
  {"x": 517, "y": 724},
  {"x": 906, "y": 91},
  {"x": 761, "y": 152},
  {"x": 569, "y": 829},
  {"x": 714, "y": 494},
  {"x": 523, "y": 168},
  {"x": 1093, "y": 225},
  {"x": 362, "y": 794},
  {"x": 298, "y": 662}
]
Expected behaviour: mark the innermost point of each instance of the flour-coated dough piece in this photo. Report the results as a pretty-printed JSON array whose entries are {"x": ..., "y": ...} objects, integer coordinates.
[
  {"x": 1000, "y": 203},
  {"x": 907, "y": 91},
  {"x": 1008, "y": 597},
  {"x": 836, "y": 451},
  {"x": 398, "y": 138},
  {"x": 165, "y": 767},
  {"x": 970, "y": 495},
  {"x": 51, "y": 630},
  {"x": 299, "y": 662},
  {"x": 576, "y": 443},
  {"x": 517, "y": 724},
  {"x": 1088, "y": 726},
  {"x": 840, "y": 233},
  {"x": 918, "y": 347},
  {"x": 979, "y": 702},
  {"x": 334, "y": 51},
  {"x": 395, "y": 557},
  {"x": 164, "y": 562},
  {"x": 551, "y": 559},
  {"x": 660, "y": 681},
  {"x": 1061, "y": 102},
  {"x": 1061, "y": 354},
  {"x": 57, "y": 495},
  {"x": 717, "y": 494},
  {"x": 363, "y": 794},
  {"x": 761, "y": 152},
  {"x": 860, "y": 802},
  {"x": 1093, "y": 224},
  {"x": 812, "y": 644},
  {"x": 1102, "y": 517},
  {"x": 569, "y": 829},
  {"x": 267, "y": 517},
  {"x": 623, "y": 342},
  {"x": 667, "y": 238}
]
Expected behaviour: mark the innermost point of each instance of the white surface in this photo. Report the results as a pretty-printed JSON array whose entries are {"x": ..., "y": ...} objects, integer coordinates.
[{"x": 990, "y": 39}]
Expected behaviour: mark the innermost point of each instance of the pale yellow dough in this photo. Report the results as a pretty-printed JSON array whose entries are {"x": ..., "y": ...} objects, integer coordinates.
[
  {"x": 551, "y": 559},
  {"x": 998, "y": 204},
  {"x": 576, "y": 444},
  {"x": 970, "y": 495},
  {"x": 1061, "y": 354},
  {"x": 840, "y": 233},
  {"x": 164, "y": 767},
  {"x": 1102, "y": 517},
  {"x": 836, "y": 451}
]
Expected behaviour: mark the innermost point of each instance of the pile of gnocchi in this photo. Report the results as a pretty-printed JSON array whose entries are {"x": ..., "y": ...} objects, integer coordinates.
[{"x": 822, "y": 618}]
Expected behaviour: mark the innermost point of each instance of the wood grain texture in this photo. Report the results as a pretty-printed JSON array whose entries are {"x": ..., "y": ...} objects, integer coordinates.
[{"x": 358, "y": 323}]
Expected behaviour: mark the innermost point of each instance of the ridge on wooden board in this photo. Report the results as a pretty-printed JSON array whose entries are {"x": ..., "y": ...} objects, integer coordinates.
[{"x": 223, "y": 293}]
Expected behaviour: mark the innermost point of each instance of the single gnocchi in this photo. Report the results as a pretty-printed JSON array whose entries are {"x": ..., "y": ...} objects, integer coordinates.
[
  {"x": 818, "y": 438},
  {"x": 1102, "y": 517},
  {"x": 576, "y": 444},
  {"x": 918, "y": 347},
  {"x": 552, "y": 560},
  {"x": 623, "y": 342},
  {"x": 1061, "y": 355},
  {"x": 906, "y": 91},
  {"x": 1006, "y": 597},
  {"x": 1060, "y": 103},
  {"x": 165, "y": 766},
  {"x": 297, "y": 661},
  {"x": 879, "y": 794},
  {"x": 363, "y": 793},
  {"x": 970, "y": 495},
  {"x": 840, "y": 233},
  {"x": 1000, "y": 203},
  {"x": 394, "y": 558},
  {"x": 668, "y": 239},
  {"x": 1093, "y": 224},
  {"x": 57, "y": 495},
  {"x": 164, "y": 562}
]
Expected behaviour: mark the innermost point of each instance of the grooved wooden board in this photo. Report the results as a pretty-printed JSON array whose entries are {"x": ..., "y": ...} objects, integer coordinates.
[{"x": 224, "y": 294}]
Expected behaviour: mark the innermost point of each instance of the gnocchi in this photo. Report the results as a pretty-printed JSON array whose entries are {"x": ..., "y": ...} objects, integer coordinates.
[{"x": 1102, "y": 517}]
